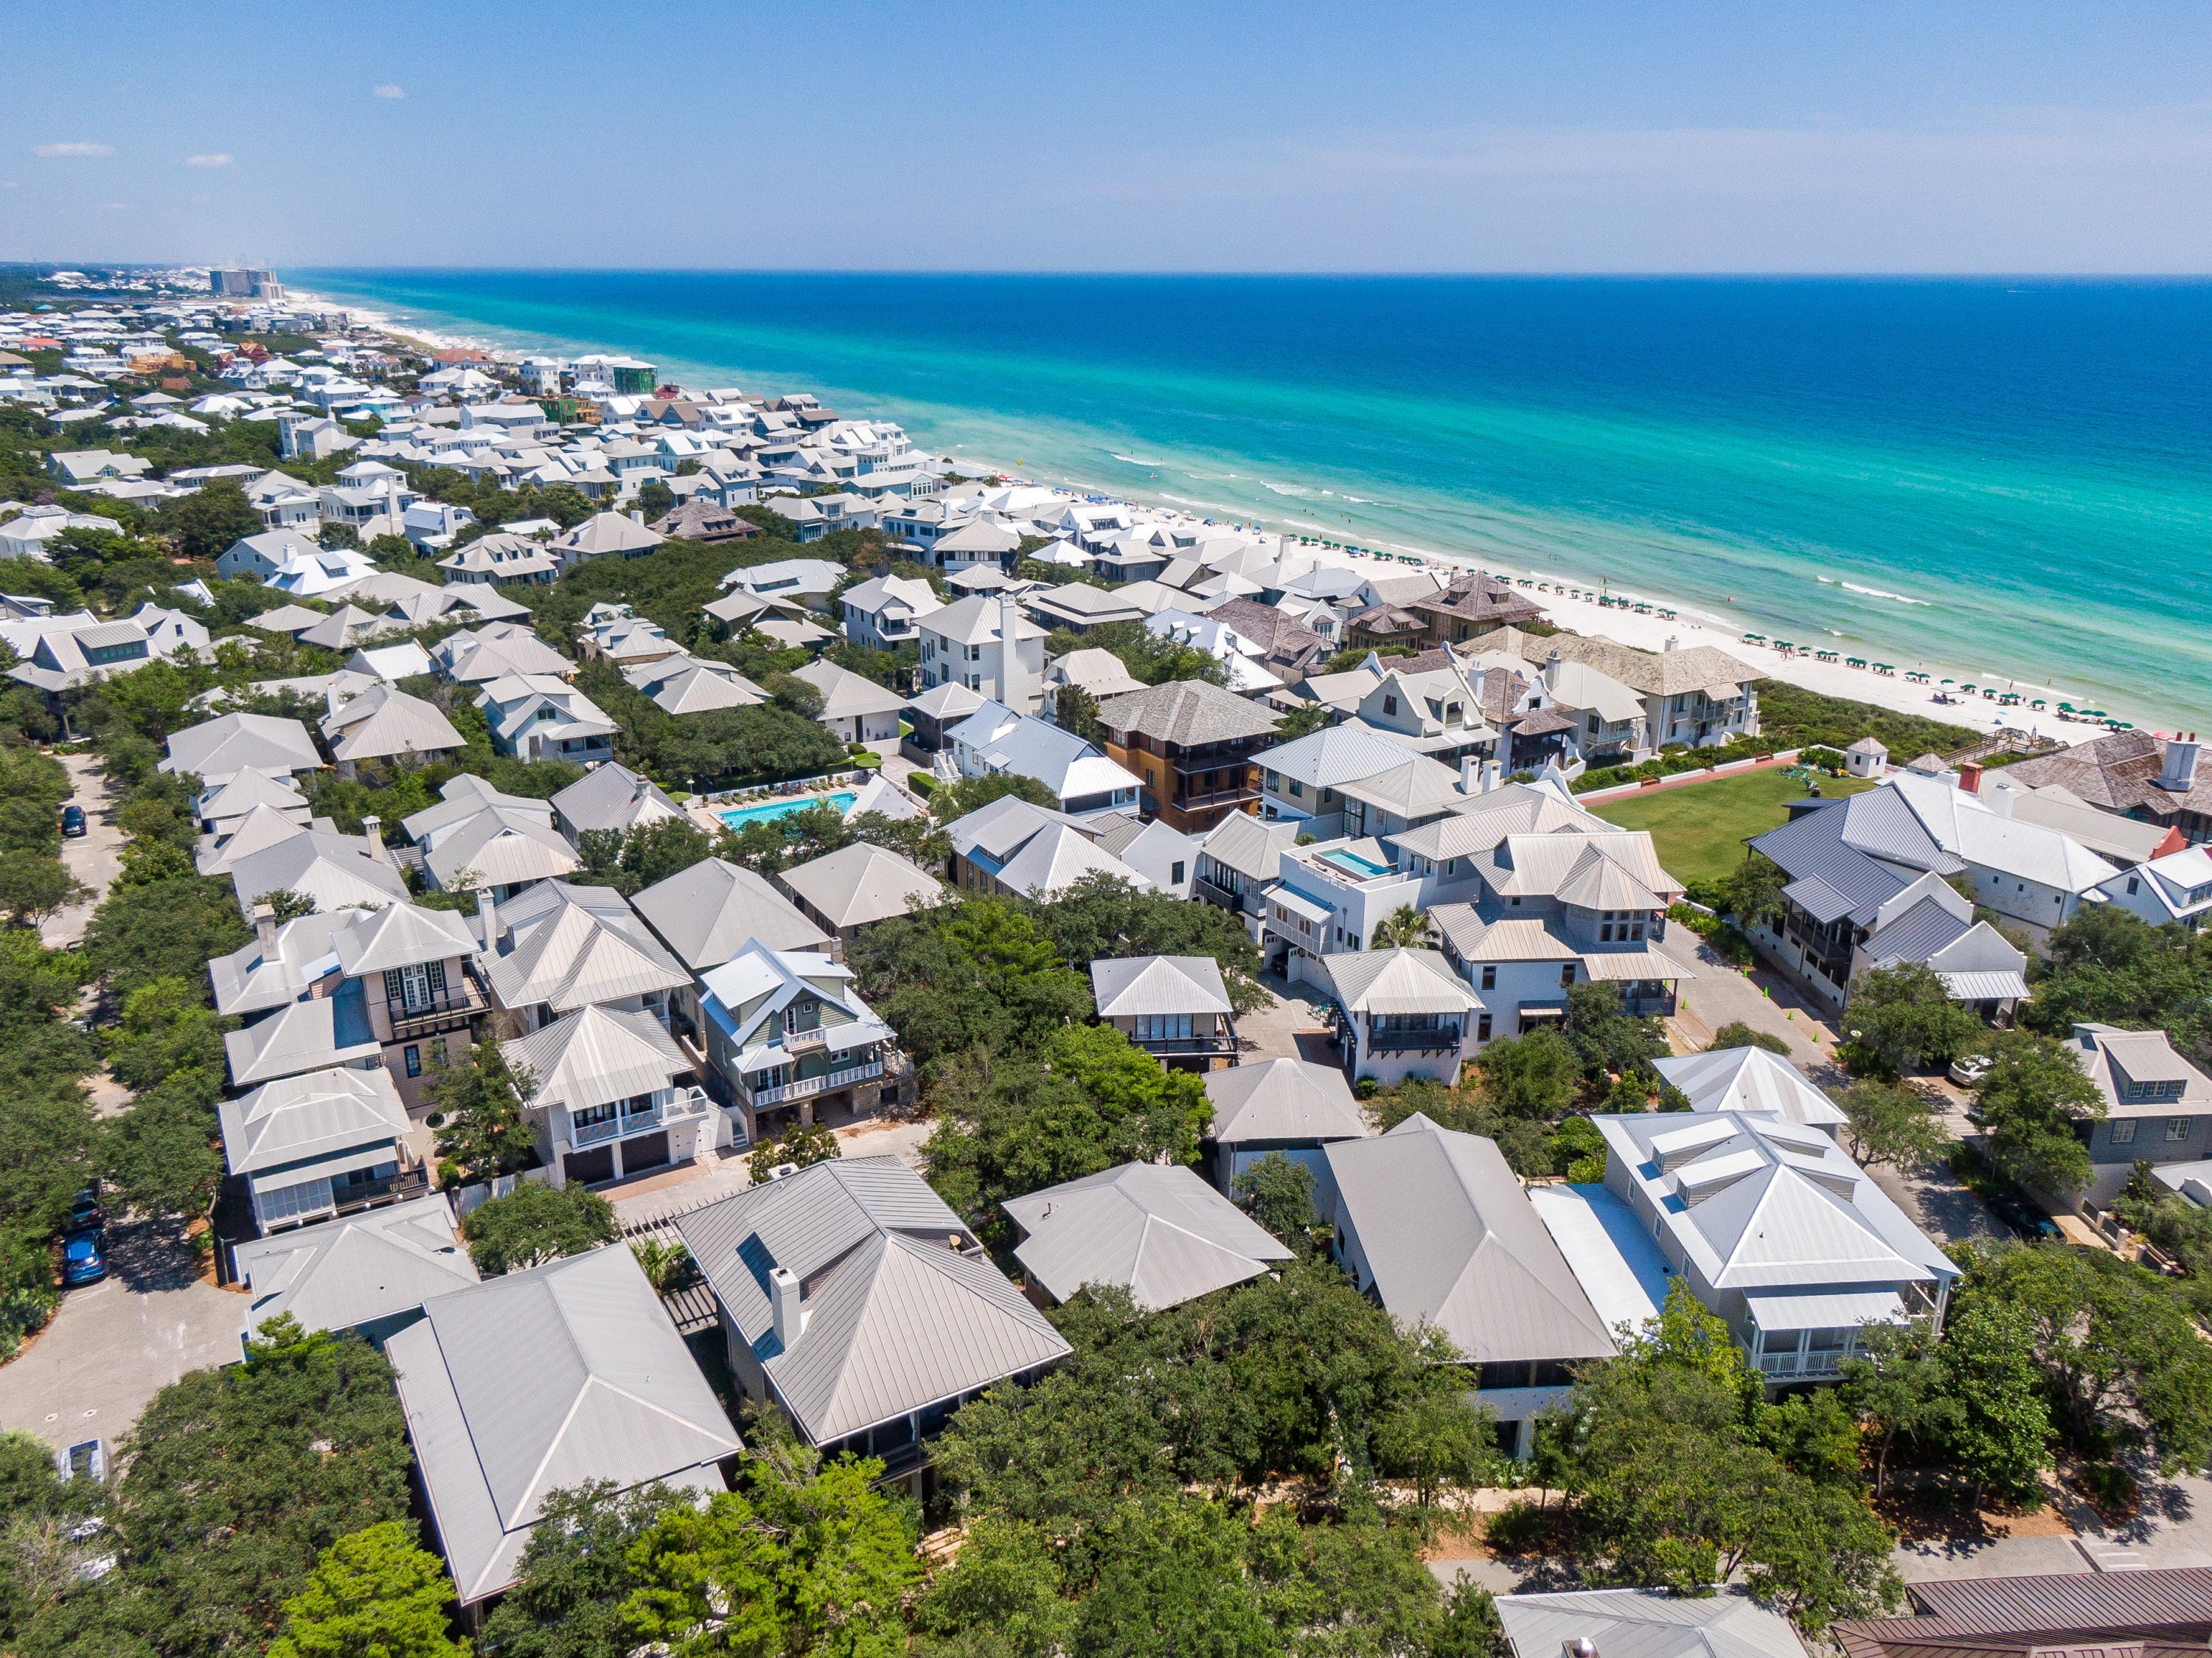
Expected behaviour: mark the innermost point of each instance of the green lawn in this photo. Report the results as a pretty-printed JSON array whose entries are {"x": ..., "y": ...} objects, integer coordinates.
[{"x": 1699, "y": 829}]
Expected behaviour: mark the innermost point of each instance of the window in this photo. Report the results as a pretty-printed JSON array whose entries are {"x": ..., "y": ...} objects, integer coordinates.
[
  {"x": 1567, "y": 974},
  {"x": 1389, "y": 705},
  {"x": 1605, "y": 933},
  {"x": 413, "y": 1054},
  {"x": 2176, "y": 1128},
  {"x": 1175, "y": 873},
  {"x": 1490, "y": 976},
  {"x": 1482, "y": 1028},
  {"x": 1637, "y": 930},
  {"x": 2124, "y": 1131},
  {"x": 1163, "y": 1027},
  {"x": 1296, "y": 788},
  {"x": 2133, "y": 885},
  {"x": 1593, "y": 725}
]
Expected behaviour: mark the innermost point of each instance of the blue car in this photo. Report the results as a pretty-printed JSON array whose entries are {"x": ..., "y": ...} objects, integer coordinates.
[{"x": 83, "y": 1261}]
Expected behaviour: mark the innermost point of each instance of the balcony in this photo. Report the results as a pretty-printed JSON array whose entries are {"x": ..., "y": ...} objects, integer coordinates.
[
  {"x": 1437, "y": 1039},
  {"x": 1200, "y": 799},
  {"x": 373, "y": 1194},
  {"x": 804, "y": 1041},
  {"x": 1214, "y": 893},
  {"x": 1164, "y": 1046},
  {"x": 688, "y": 1104},
  {"x": 807, "y": 1087},
  {"x": 448, "y": 1011}
]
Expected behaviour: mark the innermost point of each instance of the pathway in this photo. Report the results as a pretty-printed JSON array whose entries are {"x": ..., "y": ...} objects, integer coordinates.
[
  {"x": 651, "y": 1199},
  {"x": 1724, "y": 995},
  {"x": 95, "y": 857}
]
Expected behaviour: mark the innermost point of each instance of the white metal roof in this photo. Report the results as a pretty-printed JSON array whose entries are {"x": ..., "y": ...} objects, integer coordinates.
[
  {"x": 1154, "y": 1229},
  {"x": 1128, "y": 986}
]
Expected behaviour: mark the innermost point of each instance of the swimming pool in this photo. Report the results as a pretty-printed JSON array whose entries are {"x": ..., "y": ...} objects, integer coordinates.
[
  {"x": 1353, "y": 864},
  {"x": 769, "y": 811}
]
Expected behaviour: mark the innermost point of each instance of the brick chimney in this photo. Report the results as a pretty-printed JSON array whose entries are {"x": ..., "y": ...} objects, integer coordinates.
[{"x": 1969, "y": 778}]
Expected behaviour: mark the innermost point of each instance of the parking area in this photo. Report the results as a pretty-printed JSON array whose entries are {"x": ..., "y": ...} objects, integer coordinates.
[
  {"x": 1275, "y": 1031},
  {"x": 116, "y": 1343}
]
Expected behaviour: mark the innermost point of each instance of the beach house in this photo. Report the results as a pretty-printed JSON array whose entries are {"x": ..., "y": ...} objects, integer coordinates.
[
  {"x": 1698, "y": 696},
  {"x": 1195, "y": 747},
  {"x": 996, "y": 741},
  {"x": 1401, "y": 1013},
  {"x": 1173, "y": 1007},
  {"x": 1158, "y": 1231},
  {"x": 965, "y": 644},
  {"x": 791, "y": 1040},
  {"x": 1292, "y": 1108}
]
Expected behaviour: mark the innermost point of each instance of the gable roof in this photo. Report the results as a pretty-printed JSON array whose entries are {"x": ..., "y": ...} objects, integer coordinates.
[
  {"x": 845, "y": 694},
  {"x": 1156, "y": 1230},
  {"x": 1058, "y": 856},
  {"x": 220, "y": 748},
  {"x": 1288, "y": 1100},
  {"x": 400, "y": 935},
  {"x": 502, "y": 848},
  {"x": 893, "y": 1319},
  {"x": 1128, "y": 986},
  {"x": 1646, "y": 1624},
  {"x": 333, "y": 870},
  {"x": 385, "y": 721},
  {"x": 706, "y": 914},
  {"x": 1453, "y": 1241},
  {"x": 543, "y": 1380},
  {"x": 1653, "y": 672}
]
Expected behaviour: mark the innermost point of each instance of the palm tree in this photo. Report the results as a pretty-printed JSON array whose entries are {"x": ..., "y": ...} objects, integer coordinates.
[{"x": 1404, "y": 925}]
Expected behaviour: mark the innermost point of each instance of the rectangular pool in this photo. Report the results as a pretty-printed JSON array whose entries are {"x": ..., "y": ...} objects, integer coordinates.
[
  {"x": 769, "y": 811},
  {"x": 1353, "y": 864}
]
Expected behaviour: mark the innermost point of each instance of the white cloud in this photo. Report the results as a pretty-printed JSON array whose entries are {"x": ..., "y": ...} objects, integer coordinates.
[
  {"x": 218, "y": 159},
  {"x": 50, "y": 152},
  {"x": 387, "y": 91}
]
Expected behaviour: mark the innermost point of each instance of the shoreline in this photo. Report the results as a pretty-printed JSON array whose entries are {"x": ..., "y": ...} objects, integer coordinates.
[{"x": 1694, "y": 625}]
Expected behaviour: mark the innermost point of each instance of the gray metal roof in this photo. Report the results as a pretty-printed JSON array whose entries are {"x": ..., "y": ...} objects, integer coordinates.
[
  {"x": 544, "y": 1380},
  {"x": 1812, "y": 847},
  {"x": 348, "y": 1271},
  {"x": 567, "y": 946},
  {"x": 1748, "y": 1079},
  {"x": 242, "y": 742},
  {"x": 1156, "y": 1230},
  {"x": 1057, "y": 857},
  {"x": 333, "y": 870},
  {"x": 1645, "y": 1624},
  {"x": 501, "y": 848},
  {"x": 1127, "y": 986},
  {"x": 384, "y": 722},
  {"x": 706, "y": 914},
  {"x": 321, "y": 1114},
  {"x": 1397, "y": 981},
  {"x": 1250, "y": 845},
  {"x": 1924, "y": 928},
  {"x": 1453, "y": 1241},
  {"x": 596, "y": 1055},
  {"x": 609, "y": 797},
  {"x": 860, "y": 884},
  {"x": 1282, "y": 1099},
  {"x": 313, "y": 1035},
  {"x": 900, "y": 1309},
  {"x": 401, "y": 935}
]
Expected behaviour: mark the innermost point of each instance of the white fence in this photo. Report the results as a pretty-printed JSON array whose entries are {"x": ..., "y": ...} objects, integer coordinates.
[{"x": 470, "y": 1198}]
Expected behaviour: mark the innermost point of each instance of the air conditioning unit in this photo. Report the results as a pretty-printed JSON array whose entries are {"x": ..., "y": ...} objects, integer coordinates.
[{"x": 782, "y": 1169}]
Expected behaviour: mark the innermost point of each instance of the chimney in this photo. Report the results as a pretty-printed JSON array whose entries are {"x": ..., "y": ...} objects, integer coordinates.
[
  {"x": 2178, "y": 774},
  {"x": 638, "y": 517},
  {"x": 783, "y": 1297},
  {"x": 1552, "y": 668},
  {"x": 1014, "y": 680},
  {"x": 373, "y": 827},
  {"x": 488, "y": 918},
  {"x": 264, "y": 930},
  {"x": 1999, "y": 794},
  {"x": 1671, "y": 643},
  {"x": 1467, "y": 765},
  {"x": 1494, "y": 773},
  {"x": 638, "y": 785},
  {"x": 1969, "y": 778}
]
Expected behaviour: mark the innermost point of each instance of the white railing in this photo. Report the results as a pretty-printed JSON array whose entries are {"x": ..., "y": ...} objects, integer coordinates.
[
  {"x": 687, "y": 1104},
  {"x": 800, "y": 1041},
  {"x": 807, "y": 1087}
]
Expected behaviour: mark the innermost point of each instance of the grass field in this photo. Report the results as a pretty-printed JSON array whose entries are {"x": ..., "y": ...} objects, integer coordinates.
[{"x": 1699, "y": 828}]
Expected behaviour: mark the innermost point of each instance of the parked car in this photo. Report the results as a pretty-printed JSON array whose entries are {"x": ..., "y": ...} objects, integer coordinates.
[
  {"x": 2016, "y": 1213},
  {"x": 1968, "y": 1069},
  {"x": 84, "y": 1258},
  {"x": 85, "y": 1214},
  {"x": 73, "y": 820},
  {"x": 85, "y": 1460}
]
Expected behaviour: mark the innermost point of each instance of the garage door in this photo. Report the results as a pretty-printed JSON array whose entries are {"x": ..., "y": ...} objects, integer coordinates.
[
  {"x": 646, "y": 1151},
  {"x": 590, "y": 1167}
]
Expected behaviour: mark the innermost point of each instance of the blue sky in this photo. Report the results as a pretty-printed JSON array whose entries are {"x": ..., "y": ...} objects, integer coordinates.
[{"x": 1541, "y": 137}]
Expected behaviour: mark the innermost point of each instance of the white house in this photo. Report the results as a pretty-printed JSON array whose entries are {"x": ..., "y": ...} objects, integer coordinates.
[
  {"x": 1401, "y": 1013},
  {"x": 965, "y": 644},
  {"x": 882, "y": 611}
]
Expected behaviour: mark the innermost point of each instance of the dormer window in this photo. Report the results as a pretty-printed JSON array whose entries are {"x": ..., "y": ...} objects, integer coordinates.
[{"x": 1389, "y": 705}]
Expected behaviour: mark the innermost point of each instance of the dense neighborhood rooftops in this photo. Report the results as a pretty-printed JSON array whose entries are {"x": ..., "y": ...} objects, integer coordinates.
[
  {"x": 334, "y": 871},
  {"x": 385, "y": 722},
  {"x": 612, "y": 796},
  {"x": 896, "y": 1308},
  {"x": 543, "y": 1380},
  {"x": 1156, "y": 1230}
]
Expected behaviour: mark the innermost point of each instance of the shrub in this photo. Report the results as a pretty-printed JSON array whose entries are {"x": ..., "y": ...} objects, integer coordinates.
[
  {"x": 1519, "y": 1527},
  {"x": 2110, "y": 1486}
]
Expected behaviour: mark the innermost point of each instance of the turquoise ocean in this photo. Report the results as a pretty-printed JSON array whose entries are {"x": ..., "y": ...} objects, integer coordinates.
[{"x": 1992, "y": 479}]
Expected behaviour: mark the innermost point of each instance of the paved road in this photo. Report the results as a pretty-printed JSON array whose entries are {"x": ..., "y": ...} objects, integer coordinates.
[
  {"x": 114, "y": 1344},
  {"x": 93, "y": 857},
  {"x": 1722, "y": 994}
]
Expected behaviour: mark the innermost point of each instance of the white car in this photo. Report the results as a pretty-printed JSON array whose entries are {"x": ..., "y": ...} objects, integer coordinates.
[{"x": 1969, "y": 1069}]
